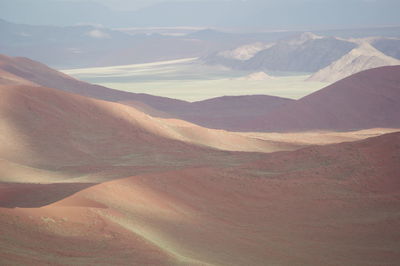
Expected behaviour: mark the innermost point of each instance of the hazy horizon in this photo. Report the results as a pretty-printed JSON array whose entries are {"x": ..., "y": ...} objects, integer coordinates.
[{"x": 288, "y": 14}]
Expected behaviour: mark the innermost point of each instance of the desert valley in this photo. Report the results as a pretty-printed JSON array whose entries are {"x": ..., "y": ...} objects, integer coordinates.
[{"x": 197, "y": 146}]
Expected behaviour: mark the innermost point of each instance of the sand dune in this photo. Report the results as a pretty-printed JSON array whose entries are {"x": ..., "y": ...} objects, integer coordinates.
[
  {"x": 50, "y": 135},
  {"x": 255, "y": 214},
  {"x": 28, "y": 72},
  {"x": 228, "y": 112},
  {"x": 214, "y": 113},
  {"x": 368, "y": 99},
  {"x": 53, "y": 136},
  {"x": 91, "y": 182}
]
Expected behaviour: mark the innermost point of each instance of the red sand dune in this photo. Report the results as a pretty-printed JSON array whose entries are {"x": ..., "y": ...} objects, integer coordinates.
[
  {"x": 63, "y": 127},
  {"x": 367, "y": 99},
  {"x": 221, "y": 113},
  {"x": 183, "y": 202},
  {"x": 54, "y": 133},
  {"x": 34, "y": 72},
  {"x": 51, "y": 136},
  {"x": 229, "y": 112},
  {"x": 327, "y": 205}
]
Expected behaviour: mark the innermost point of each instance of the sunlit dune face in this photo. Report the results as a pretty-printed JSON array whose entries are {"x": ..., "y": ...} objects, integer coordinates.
[
  {"x": 73, "y": 235},
  {"x": 253, "y": 214}
]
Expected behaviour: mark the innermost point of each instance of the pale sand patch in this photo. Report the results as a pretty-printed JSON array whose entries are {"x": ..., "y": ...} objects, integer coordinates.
[{"x": 320, "y": 137}]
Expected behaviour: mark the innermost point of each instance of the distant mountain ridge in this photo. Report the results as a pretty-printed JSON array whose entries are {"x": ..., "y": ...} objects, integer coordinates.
[
  {"x": 364, "y": 57},
  {"x": 329, "y": 58},
  {"x": 94, "y": 45},
  {"x": 306, "y": 52}
]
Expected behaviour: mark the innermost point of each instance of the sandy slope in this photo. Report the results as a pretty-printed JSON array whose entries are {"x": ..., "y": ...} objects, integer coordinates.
[
  {"x": 214, "y": 113},
  {"x": 245, "y": 52},
  {"x": 364, "y": 57},
  {"x": 257, "y": 76},
  {"x": 53, "y": 136},
  {"x": 19, "y": 102},
  {"x": 49, "y": 134},
  {"x": 368, "y": 99},
  {"x": 23, "y": 71},
  {"x": 183, "y": 201},
  {"x": 330, "y": 205}
]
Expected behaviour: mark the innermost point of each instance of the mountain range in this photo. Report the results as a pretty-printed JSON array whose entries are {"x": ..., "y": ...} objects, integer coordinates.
[
  {"x": 310, "y": 53},
  {"x": 80, "y": 46},
  {"x": 95, "y": 45},
  {"x": 306, "y": 52}
]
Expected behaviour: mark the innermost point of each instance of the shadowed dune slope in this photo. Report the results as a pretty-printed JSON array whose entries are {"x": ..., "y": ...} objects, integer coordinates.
[
  {"x": 326, "y": 205},
  {"x": 50, "y": 136},
  {"x": 230, "y": 112},
  {"x": 44, "y": 126},
  {"x": 368, "y": 99},
  {"x": 53, "y": 144}
]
